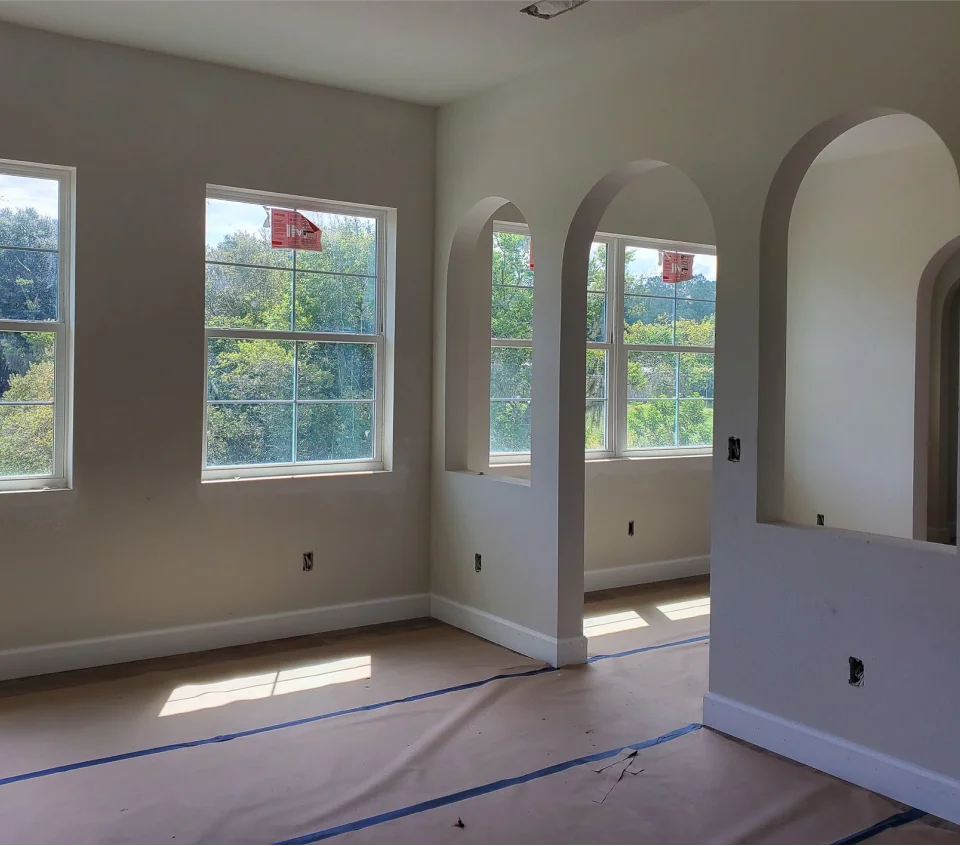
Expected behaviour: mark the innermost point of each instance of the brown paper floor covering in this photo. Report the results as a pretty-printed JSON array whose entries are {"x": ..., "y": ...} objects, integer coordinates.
[{"x": 291, "y": 782}]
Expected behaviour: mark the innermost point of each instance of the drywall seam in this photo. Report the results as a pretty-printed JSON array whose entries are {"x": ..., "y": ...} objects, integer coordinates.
[
  {"x": 904, "y": 782},
  {"x": 507, "y": 634},
  {"x": 641, "y": 574},
  {"x": 96, "y": 652}
]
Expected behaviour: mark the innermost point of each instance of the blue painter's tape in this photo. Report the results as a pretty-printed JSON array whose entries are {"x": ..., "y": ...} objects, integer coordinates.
[
  {"x": 894, "y": 821},
  {"x": 640, "y": 649},
  {"x": 376, "y": 706},
  {"x": 223, "y": 738},
  {"x": 483, "y": 789}
]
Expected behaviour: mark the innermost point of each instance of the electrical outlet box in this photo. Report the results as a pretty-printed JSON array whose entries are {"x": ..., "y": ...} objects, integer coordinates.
[
  {"x": 856, "y": 672},
  {"x": 477, "y": 562},
  {"x": 820, "y": 520},
  {"x": 307, "y": 562},
  {"x": 733, "y": 449},
  {"x": 630, "y": 528}
]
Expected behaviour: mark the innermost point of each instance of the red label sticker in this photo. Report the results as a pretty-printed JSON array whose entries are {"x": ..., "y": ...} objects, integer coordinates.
[
  {"x": 531, "y": 253},
  {"x": 291, "y": 230},
  {"x": 677, "y": 267}
]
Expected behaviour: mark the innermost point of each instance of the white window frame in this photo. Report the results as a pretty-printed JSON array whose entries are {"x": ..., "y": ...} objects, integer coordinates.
[
  {"x": 617, "y": 351},
  {"x": 384, "y": 289},
  {"x": 622, "y": 349},
  {"x": 62, "y": 327},
  {"x": 507, "y": 458},
  {"x": 609, "y": 345}
]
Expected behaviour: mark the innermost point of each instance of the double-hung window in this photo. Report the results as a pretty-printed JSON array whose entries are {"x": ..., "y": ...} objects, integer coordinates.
[
  {"x": 649, "y": 387},
  {"x": 36, "y": 268},
  {"x": 511, "y": 344},
  {"x": 665, "y": 349},
  {"x": 295, "y": 335}
]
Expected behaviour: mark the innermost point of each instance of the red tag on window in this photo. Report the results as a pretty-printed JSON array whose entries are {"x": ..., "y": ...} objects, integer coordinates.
[
  {"x": 677, "y": 267},
  {"x": 291, "y": 230}
]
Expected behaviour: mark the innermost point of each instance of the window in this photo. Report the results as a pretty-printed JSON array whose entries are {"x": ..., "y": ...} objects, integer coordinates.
[
  {"x": 36, "y": 271},
  {"x": 665, "y": 350},
  {"x": 295, "y": 339},
  {"x": 649, "y": 388},
  {"x": 511, "y": 344}
]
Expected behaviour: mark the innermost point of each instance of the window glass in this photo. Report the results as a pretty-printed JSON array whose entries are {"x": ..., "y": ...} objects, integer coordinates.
[
  {"x": 511, "y": 319},
  {"x": 283, "y": 385},
  {"x": 669, "y": 393},
  {"x": 32, "y": 330}
]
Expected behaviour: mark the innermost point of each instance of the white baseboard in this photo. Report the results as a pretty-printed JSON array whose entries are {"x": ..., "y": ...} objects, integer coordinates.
[
  {"x": 520, "y": 639},
  {"x": 641, "y": 574},
  {"x": 96, "y": 652},
  {"x": 900, "y": 780}
]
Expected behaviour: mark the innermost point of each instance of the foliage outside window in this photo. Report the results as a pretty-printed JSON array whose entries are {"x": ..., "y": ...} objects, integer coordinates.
[
  {"x": 35, "y": 275},
  {"x": 667, "y": 341},
  {"x": 511, "y": 345},
  {"x": 649, "y": 387},
  {"x": 294, "y": 339}
]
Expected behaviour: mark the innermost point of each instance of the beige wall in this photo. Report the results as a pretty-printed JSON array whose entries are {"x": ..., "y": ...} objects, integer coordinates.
[
  {"x": 140, "y": 544},
  {"x": 862, "y": 231}
]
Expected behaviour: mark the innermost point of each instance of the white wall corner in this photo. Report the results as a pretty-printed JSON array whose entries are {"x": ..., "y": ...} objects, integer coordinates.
[
  {"x": 97, "y": 652},
  {"x": 510, "y": 635},
  {"x": 641, "y": 574},
  {"x": 898, "y": 779}
]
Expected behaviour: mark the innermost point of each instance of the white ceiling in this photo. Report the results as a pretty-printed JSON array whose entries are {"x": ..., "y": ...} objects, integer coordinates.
[
  {"x": 880, "y": 135},
  {"x": 425, "y": 51}
]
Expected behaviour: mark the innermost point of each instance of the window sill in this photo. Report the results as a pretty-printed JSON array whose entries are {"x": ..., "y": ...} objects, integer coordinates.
[
  {"x": 52, "y": 494},
  {"x": 624, "y": 465},
  {"x": 600, "y": 465},
  {"x": 495, "y": 474},
  {"x": 518, "y": 472},
  {"x": 295, "y": 483}
]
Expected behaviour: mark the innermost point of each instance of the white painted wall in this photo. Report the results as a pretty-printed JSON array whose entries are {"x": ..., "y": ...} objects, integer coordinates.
[
  {"x": 862, "y": 231},
  {"x": 140, "y": 544},
  {"x": 790, "y": 604}
]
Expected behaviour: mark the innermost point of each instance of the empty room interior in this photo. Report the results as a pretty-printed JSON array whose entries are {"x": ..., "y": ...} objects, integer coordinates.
[{"x": 475, "y": 421}]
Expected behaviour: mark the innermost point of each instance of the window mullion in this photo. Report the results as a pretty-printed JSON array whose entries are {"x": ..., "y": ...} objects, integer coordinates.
[
  {"x": 676, "y": 419},
  {"x": 296, "y": 395},
  {"x": 284, "y": 335},
  {"x": 620, "y": 356},
  {"x": 511, "y": 342}
]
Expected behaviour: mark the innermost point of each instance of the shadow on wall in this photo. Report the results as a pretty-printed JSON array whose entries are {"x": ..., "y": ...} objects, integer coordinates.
[
  {"x": 938, "y": 377},
  {"x": 853, "y": 217}
]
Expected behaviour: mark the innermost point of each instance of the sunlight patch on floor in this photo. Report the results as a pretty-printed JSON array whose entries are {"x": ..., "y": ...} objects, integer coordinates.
[
  {"x": 197, "y": 697},
  {"x": 685, "y": 610},
  {"x": 604, "y": 624}
]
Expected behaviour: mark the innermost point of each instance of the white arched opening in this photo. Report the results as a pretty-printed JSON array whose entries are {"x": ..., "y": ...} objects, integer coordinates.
[
  {"x": 853, "y": 217},
  {"x": 479, "y": 365},
  {"x": 645, "y": 340}
]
